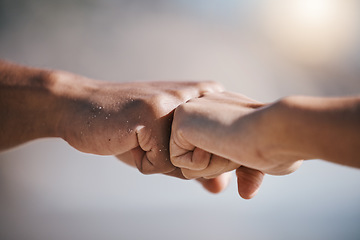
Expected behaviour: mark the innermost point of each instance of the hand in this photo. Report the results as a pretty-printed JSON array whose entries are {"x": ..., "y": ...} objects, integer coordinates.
[
  {"x": 220, "y": 132},
  {"x": 129, "y": 120}
]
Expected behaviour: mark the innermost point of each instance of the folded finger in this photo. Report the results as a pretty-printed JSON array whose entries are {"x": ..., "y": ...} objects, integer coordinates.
[{"x": 217, "y": 166}]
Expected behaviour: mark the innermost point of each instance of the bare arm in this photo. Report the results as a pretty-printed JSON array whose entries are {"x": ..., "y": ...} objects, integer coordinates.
[
  {"x": 271, "y": 139},
  {"x": 318, "y": 128},
  {"x": 130, "y": 120},
  {"x": 27, "y": 105}
]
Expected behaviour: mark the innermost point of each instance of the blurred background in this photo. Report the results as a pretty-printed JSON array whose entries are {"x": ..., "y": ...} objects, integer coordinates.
[{"x": 265, "y": 49}]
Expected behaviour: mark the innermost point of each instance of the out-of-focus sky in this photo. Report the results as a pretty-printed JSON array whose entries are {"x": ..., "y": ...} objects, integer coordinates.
[{"x": 265, "y": 49}]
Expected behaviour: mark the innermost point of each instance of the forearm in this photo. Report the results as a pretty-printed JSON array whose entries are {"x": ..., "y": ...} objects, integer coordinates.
[
  {"x": 319, "y": 128},
  {"x": 27, "y": 106},
  {"x": 38, "y": 103}
]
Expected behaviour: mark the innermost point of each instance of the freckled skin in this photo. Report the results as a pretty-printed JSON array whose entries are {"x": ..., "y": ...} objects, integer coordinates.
[
  {"x": 129, "y": 120},
  {"x": 212, "y": 132}
]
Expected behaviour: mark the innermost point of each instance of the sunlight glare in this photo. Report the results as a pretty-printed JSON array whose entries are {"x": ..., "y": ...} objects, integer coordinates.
[{"x": 312, "y": 31}]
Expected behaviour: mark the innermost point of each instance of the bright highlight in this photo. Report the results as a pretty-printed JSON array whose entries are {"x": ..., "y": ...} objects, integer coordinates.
[{"x": 312, "y": 31}]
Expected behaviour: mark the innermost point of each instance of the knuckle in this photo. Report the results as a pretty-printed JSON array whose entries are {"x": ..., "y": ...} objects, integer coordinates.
[
  {"x": 209, "y": 86},
  {"x": 200, "y": 159},
  {"x": 157, "y": 98},
  {"x": 158, "y": 101},
  {"x": 162, "y": 105},
  {"x": 153, "y": 166},
  {"x": 200, "y": 164},
  {"x": 145, "y": 166},
  {"x": 175, "y": 160},
  {"x": 188, "y": 174}
]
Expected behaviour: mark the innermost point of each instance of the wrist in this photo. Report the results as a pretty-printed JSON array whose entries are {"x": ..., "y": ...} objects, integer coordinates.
[
  {"x": 94, "y": 116},
  {"x": 72, "y": 99},
  {"x": 28, "y": 107},
  {"x": 43, "y": 105},
  {"x": 289, "y": 130}
]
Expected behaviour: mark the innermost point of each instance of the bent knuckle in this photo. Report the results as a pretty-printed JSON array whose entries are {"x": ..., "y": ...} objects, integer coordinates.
[
  {"x": 157, "y": 165},
  {"x": 161, "y": 105},
  {"x": 200, "y": 159},
  {"x": 209, "y": 86},
  {"x": 188, "y": 174}
]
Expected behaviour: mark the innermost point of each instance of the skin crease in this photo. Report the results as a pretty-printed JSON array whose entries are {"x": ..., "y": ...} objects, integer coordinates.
[
  {"x": 129, "y": 120},
  {"x": 193, "y": 117},
  {"x": 212, "y": 132},
  {"x": 235, "y": 132}
]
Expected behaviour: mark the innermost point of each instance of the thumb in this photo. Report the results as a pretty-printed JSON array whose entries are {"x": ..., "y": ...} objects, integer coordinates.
[
  {"x": 249, "y": 181},
  {"x": 217, "y": 184}
]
